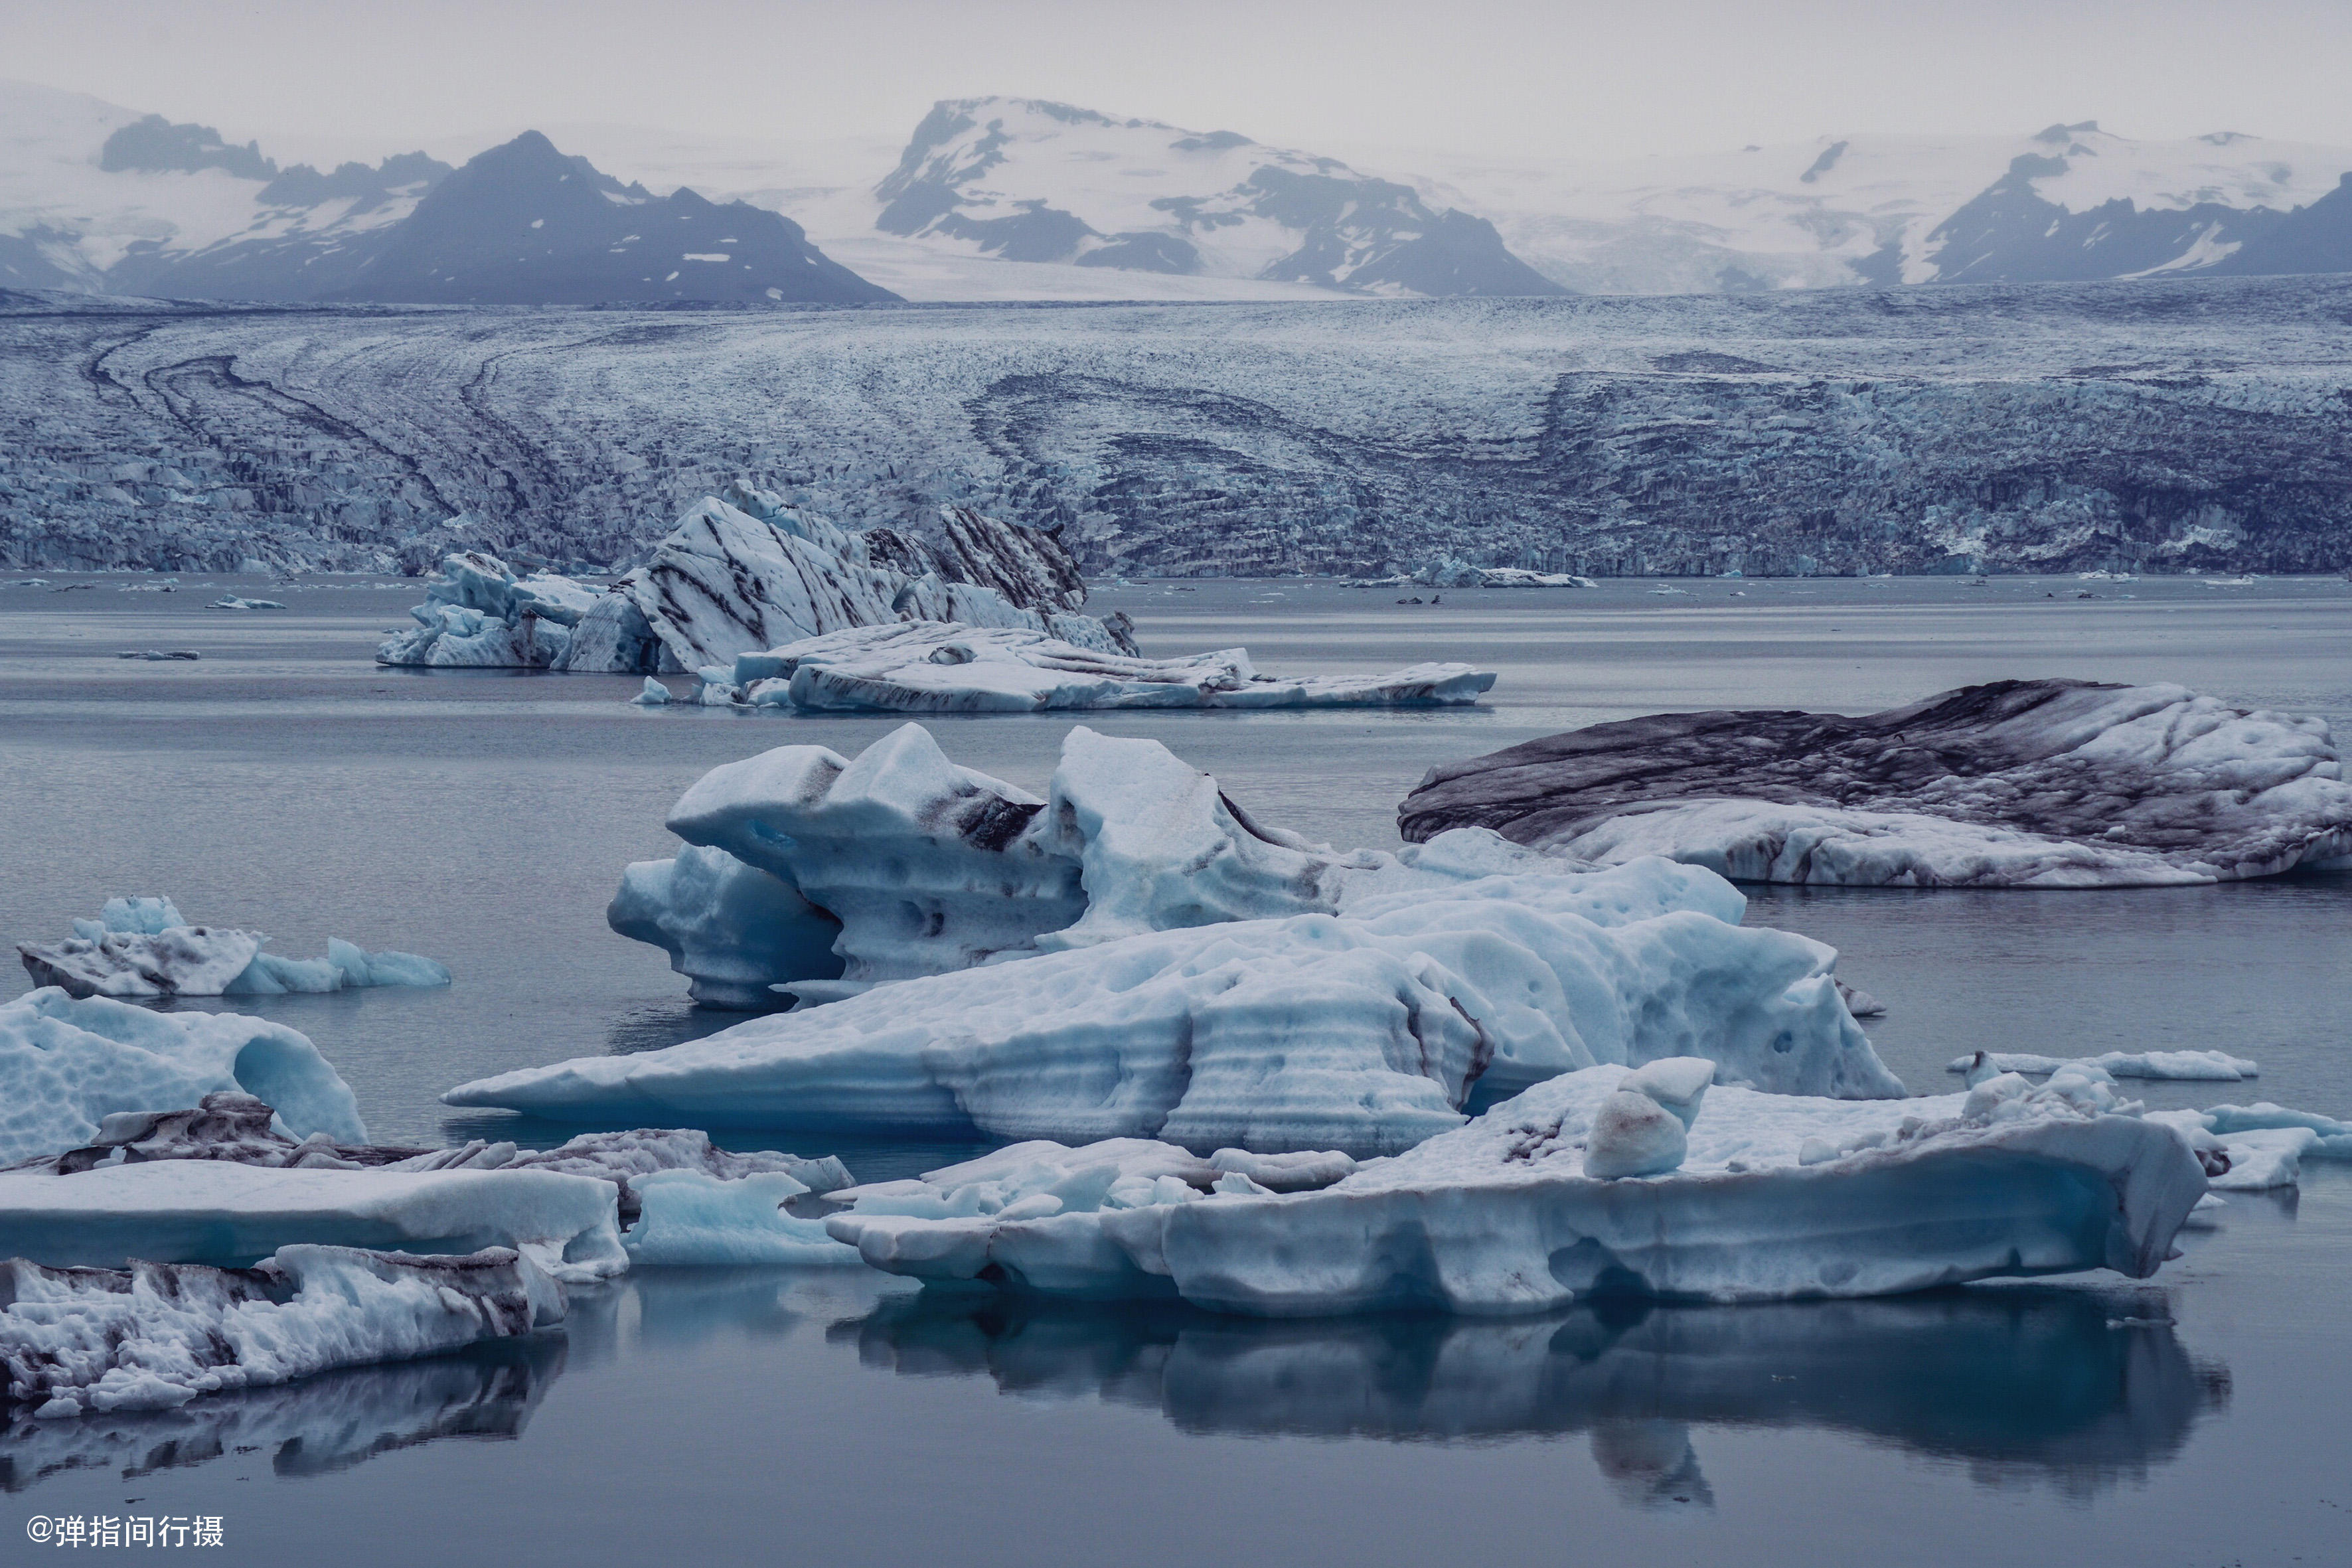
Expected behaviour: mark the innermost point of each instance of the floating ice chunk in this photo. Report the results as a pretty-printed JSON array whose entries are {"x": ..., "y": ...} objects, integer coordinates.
[
  {"x": 1778, "y": 1197},
  {"x": 158, "y": 1335},
  {"x": 692, "y": 1218},
  {"x": 2035, "y": 784},
  {"x": 949, "y": 666},
  {"x": 70, "y": 1064},
  {"x": 229, "y": 1213},
  {"x": 2335, "y": 1136},
  {"x": 142, "y": 947},
  {"x": 654, "y": 695},
  {"x": 2260, "y": 1146},
  {"x": 161, "y": 654},
  {"x": 1363, "y": 1032},
  {"x": 2217, "y": 1067},
  {"x": 735, "y": 931},
  {"x": 231, "y": 602}
]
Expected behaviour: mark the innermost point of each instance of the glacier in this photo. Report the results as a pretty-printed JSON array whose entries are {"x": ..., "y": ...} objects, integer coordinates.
[
  {"x": 1778, "y": 1197},
  {"x": 2016, "y": 784},
  {"x": 155, "y": 1336},
  {"x": 70, "y": 1064},
  {"x": 140, "y": 947},
  {"x": 743, "y": 574},
  {"x": 2162, "y": 426},
  {"x": 946, "y": 666}
]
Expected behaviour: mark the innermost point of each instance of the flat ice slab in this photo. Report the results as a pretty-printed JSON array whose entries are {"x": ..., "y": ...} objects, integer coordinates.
[
  {"x": 70, "y": 1064},
  {"x": 2025, "y": 784},
  {"x": 229, "y": 1214},
  {"x": 2202, "y": 1066},
  {"x": 155, "y": 1336},
  {"x": 930, "y": 667},
  {"x": 1777, "y": 1196}
]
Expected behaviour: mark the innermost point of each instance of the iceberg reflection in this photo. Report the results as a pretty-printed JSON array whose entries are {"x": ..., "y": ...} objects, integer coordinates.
[
  {"x": 317, "y": 1425},
  {"x": 2074, "y": 1388}
]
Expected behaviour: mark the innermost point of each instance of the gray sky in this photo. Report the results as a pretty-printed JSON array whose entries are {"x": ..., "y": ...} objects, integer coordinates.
[{"x": 1557, "y": 79}]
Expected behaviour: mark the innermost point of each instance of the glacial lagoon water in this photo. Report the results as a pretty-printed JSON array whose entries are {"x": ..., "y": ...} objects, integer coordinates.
[{"x": 283, "y": 782}]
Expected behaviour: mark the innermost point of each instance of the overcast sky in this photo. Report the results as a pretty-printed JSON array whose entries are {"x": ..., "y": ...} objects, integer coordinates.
[{"x": 1555, "y": 78}]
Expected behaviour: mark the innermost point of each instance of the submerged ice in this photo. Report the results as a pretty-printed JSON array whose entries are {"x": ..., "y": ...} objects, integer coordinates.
[{"x": 2035, "y": 783}]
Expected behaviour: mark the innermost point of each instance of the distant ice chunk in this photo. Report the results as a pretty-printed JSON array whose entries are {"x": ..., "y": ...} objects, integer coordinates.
[
  {"x": 2217, "y": 1067},
  {"x": 2029, "y": 784},
  {"x": 155, "y": 1336},
  {"x": 946, "y": 666},
  {"x": 70, "y": 1064},
  {"x": 1363, "y": 1031},
  {"x": 1499, "y": 1218},
  {"x": 231, "y": 602},
  {"x": 144, "y": 947}
]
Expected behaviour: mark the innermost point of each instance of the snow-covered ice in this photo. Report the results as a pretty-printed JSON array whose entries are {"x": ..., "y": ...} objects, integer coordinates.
[
  {"x": 944, "y": 666},
  {"x": 1364, "y": 1030},
  {"x": 2029, "y": 784},
  {"x": 1777, "y": 1196},
  {"x": 144, "y": 947},
  {"x": 2262, "y": 1145},
  {"x": 157, "y": 1335},
  {"x": 70, "y": 1064},
  {"x": 2217, "y": 1067}
]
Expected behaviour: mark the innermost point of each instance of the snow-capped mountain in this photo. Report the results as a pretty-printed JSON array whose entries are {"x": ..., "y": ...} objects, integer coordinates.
[
  {"x": 98, "y": 197},
  {"x": 1023, "y": 179},
  {"x": 2070, "y": 203}
]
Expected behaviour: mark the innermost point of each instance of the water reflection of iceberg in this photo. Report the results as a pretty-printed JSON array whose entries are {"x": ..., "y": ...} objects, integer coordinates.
[
  {"x": 2077, "y": 1388},
  {"x": 323, "y": 1423}
]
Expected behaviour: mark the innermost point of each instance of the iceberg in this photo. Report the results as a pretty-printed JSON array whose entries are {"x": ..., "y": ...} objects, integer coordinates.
[
  {"x": 155, "y": 1336},
  {"x": 744, "y": 572},
  {"x": 144, "y": 947},
  {"x": 68, "y": 1065},
  {"x": 1365, "y": 1030},
  {"x": 2216, "y": 1066},
  {"x": 693, "y": 1218},
  {"x": 927, "y": 868},
  {"x": 2024, "y": 784},
  {"x": 944, "y": 666},
  {"x": 2260, "y": 1146},
  {"x": 1777, "y": 1196}
]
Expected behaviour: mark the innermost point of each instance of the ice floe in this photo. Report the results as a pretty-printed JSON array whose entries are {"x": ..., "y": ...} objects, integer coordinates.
[
  {"x": 743, "y": 573},
  {"x": 2261, "y": 1145},
  {"x": 1776, "y": 1196},
  {"x": 2029, "y": 783},
  {"x": 2216, "y": 1066},
  {"x": 145, "y": 947},
  {"x": 155, "y": 1336},
  {"x": 944, "y": 666},
  {"x": 229, "y": 1213},
  {"x": 68, "y": 1065}
]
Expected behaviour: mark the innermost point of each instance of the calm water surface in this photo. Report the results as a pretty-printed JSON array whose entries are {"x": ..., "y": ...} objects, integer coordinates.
[{"x": 286, "y": 782}]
